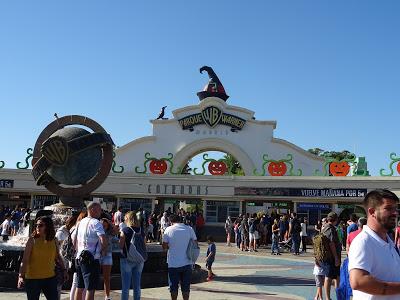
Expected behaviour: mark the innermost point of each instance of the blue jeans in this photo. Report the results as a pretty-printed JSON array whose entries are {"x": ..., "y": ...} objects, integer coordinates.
[
  {"x": 182, "y": 275},
  {"x": 296, "y": 242},
  {"x": 131, "y": 274},
  {"x": 275, "y": 245}
]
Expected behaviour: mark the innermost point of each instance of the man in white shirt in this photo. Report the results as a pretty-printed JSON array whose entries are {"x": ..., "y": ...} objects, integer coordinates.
[
  {"x": 5, "y": 228},
  {"x": 176, "y": 239},
  {"x": 118, "y": 216},
  {"x": 90, "y": 237},
  {"x": 374, "y": 263}
]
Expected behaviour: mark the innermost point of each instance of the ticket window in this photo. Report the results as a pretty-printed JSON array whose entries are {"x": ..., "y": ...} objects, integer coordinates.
[{"x": 218, "y": 211}]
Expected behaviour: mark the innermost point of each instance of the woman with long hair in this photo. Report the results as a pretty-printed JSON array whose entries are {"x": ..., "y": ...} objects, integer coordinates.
[
  {"x": 106, "y": 260},
  {"x": 37, "y": 270},
  {"x": 130, "y": 273}
]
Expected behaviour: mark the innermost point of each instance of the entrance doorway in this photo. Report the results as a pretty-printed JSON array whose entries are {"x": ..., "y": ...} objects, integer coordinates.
[{"x": 313, "y": 211}]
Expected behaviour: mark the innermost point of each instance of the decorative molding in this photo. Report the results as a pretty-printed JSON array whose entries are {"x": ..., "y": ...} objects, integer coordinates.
[{"x": 141, "y": 140}]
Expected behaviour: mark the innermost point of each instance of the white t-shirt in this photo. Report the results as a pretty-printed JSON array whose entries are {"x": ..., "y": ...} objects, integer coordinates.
[
  {"x": 62, "y": 233},
  {"x": 370, "y": 253},
  {"x": 5, "y": 227},
  {"x": 89, "y": 231},
  {"x": 303, "y": 231},
  {"x": 178, "y": 236}
]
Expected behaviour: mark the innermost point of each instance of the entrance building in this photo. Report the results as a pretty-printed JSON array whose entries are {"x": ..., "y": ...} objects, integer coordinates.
[{"x": 278, "y": 176}]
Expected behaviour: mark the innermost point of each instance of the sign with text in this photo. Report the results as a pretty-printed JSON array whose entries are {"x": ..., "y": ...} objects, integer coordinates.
[
  {"x": 6, "y": 183},
  {"x": 295, "y": 192},
  {"x": 212, "y": 116}
]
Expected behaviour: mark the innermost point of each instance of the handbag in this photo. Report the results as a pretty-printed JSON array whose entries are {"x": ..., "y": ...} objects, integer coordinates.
[{"x": 132, "y": 255}]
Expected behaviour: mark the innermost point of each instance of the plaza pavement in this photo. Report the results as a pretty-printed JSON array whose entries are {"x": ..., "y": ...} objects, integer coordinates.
[{"x": 240, "y": 275}]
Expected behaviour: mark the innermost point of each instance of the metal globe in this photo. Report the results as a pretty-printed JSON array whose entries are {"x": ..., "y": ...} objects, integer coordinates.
[{"x": 80, "y": 167}]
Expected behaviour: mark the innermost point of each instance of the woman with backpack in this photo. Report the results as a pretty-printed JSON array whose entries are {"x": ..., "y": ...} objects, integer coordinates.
[{"x": 131, "y": 272}]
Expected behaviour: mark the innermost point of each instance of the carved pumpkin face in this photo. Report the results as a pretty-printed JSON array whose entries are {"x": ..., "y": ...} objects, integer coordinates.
[
  {"x": 277, "y": 168},
  {"x": 217, "y": 168},
  {"x": 158, "y": 166},
  {"x": 398, "y": 167},
  {"x": 339, "y": 168}
]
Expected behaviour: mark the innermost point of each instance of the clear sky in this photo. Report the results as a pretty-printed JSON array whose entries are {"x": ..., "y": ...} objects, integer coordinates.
[{"x": 326, "y": 71}]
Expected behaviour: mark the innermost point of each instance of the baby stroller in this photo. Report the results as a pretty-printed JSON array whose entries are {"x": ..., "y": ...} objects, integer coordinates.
[{"x": 286, "y": 245}]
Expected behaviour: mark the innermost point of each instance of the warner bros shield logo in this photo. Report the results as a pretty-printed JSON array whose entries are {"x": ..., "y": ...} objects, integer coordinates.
[
  {"x": 211, "y": 115},
  {"x": 55, "y": 150}
]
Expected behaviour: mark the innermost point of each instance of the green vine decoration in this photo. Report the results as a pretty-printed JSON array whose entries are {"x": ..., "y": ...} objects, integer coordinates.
[
  {"x": 169, "y": 158},
  {"x": 288, "y": 161},
  {"x": 2, "y": 164},
  {"x": 114, "y": 168},
  {"x": 29, "y": 151},
  {"x": 394, "y": 160},
  {"x": 329, "y": 160},
  {"x": 207, "y": 160},
  {"x": 147, "y": 159}
]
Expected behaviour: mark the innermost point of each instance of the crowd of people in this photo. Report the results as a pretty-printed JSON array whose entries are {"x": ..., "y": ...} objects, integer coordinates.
[
  {"x": 12, "y": 220},
  {"x": 252, "y": 231},
  {"x": 84, "y": 247}
]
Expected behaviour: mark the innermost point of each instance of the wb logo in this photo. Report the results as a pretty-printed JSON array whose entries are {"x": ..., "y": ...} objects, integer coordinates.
[
  {"x": 211, "y": 115},
  {"x": 55, "y": 150}
]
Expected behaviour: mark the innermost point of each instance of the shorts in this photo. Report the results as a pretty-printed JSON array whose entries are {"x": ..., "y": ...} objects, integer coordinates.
[
  {"x": 252, "y": 237},
  {"x": 106, "y": 260},
  {"x": 14, "y": 225},
  {"x": 319, "y": 280},
  {"x": 182, "y": 275},
  {"x": 333, "y": 271},
  {"x": 245, "y": 238},
  {"x": 209, "y": 264},
  {"x": 88, "y": 275}
]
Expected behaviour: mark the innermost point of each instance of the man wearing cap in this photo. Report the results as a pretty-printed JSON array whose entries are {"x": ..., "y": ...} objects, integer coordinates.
[
  {"x": 333, "y": 267},
  {"x": 374, "y": 262}
]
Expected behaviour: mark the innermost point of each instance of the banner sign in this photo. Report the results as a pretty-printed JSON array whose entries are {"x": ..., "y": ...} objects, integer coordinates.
[
  {"x": 6, "y": 183},
  {"x": 295, "y": 192},
  {"x": 313, "y": 206},
  {"x": 212, "y": 116}
]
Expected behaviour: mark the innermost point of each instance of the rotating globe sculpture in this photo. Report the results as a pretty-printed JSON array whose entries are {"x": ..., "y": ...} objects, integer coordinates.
[{"x": 71, "y": 161}]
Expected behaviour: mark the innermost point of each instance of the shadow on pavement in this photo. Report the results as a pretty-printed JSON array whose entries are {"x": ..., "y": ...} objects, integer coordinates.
[{"x": 266, "y": 280}]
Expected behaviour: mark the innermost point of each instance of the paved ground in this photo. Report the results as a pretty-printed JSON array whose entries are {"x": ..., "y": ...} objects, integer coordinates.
[{"x": 241, "y": 275}]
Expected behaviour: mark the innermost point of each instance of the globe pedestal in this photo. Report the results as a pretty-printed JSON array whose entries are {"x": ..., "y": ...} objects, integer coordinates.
[{"x": 73, "y": 202}]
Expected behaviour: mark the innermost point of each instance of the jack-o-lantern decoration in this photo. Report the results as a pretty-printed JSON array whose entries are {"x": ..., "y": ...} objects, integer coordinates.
[
  {"x": 217, "y": 168},
  {"x": 398, "y": 167},
  {"x": 158, "y": 166},
  {"x": 339, "y": 168},
  {"x": 277, "y": 168}
]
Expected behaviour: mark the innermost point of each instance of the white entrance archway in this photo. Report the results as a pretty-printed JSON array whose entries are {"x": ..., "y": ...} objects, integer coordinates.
[{"x": 212, "y": 144}]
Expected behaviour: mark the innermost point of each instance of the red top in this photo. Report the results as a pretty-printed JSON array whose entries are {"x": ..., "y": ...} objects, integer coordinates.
[{"x": 352, "y": 235}]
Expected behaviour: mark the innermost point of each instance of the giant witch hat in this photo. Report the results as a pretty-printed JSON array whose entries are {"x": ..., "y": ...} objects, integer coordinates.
[{"x": 214, "y": 87}]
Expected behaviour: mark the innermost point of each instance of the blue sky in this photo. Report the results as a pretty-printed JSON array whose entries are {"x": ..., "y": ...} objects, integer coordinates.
[{"x": 327, "y": 71}]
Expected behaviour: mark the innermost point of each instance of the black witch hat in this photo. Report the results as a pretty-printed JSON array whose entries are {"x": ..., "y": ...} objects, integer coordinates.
[{"x": 214, "y": 87}]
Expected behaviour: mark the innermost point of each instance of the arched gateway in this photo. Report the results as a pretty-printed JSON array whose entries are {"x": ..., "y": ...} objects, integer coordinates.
[{"x": 279, "y": 176}]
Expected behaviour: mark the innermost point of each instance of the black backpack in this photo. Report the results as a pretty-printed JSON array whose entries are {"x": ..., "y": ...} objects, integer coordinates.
[{"x": 67, "y": 248}]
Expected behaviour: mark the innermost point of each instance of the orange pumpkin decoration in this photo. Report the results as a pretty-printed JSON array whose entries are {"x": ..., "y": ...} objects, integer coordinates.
[
  {"x": 217, "y": 168},
  {"x": 338, "y": 168},
  {"x": 158, "y": 166},
  {"x": 398, "y": 167},
  {"x": 277, "y": 168}
]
